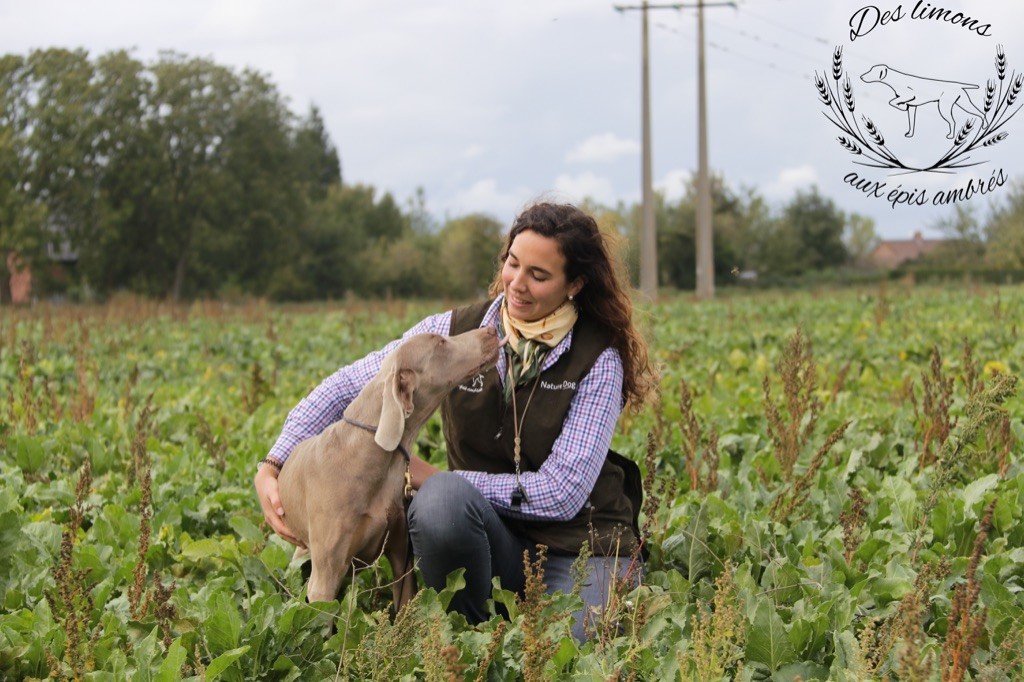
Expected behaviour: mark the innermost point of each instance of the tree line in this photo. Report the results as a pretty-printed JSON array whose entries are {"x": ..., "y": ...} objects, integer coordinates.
[{"x": 182, "y": 178}]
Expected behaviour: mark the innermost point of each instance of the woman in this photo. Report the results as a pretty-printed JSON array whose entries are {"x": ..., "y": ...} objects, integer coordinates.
[{"x": 528, "y": 445}]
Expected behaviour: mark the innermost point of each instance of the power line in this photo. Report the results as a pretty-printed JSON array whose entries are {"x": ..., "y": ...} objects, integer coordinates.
[
  {"x": 770, "y": 65},
  {"x": 759, "y": 61},
  {"x": 721, "y": 48},
  {"x": 813, "y": 38},
  {"x": 761, "y": 41},
  {"x": 816, "y": 39}
]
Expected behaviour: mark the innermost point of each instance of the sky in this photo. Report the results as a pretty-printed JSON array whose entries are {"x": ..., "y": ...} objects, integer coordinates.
[{"x": 489, "y": 105}]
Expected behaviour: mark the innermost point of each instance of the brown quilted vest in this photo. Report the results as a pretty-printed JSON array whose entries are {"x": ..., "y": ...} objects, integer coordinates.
[{"x": 474, "y": 414}]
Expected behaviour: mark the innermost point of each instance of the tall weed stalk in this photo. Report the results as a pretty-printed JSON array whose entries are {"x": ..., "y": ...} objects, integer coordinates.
[
  {"x": 700, "y": 452},
  {"x": 933, "y": 413},
  {"x": 791, "y": 421},
  {"x": 718, "y": 635},
  {"x": 70, "y": 600},
  {"x": 966, "y": 617}
]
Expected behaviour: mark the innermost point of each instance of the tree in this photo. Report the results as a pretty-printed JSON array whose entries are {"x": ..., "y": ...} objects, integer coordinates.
[
  {"x": 1005, "y": 231},
  {"x": 266, "y": 192},
  {"x": 316, "y": 157},
  {"x": 811, "y": 229},
  {"x": 338, "y": 248},
  {"x": 733, "y": 226},
  {"x": 118, "y": 249},
  {"x": 470, "y": 246},
  {"x": 192, "y": 103},
  {"x": 177, "y": 178},
  {"x": 965, "y": 245},
  {"x": 20, "y": 215},
  {"x": 860, "y": 237}
]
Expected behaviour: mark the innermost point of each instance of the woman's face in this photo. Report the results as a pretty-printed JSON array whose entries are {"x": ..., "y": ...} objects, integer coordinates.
[{"x": 534, "y": 277}]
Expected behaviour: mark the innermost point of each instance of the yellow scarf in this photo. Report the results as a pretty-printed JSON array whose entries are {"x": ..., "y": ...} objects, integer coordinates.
[{"x": 529, "y": 342}]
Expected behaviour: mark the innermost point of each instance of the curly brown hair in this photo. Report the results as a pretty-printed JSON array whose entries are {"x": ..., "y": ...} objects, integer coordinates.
[{"x": 588, "y": 256}]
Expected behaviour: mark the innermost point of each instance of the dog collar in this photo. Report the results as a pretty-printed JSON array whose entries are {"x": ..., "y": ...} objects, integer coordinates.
[{"x": 373, "y": 429}]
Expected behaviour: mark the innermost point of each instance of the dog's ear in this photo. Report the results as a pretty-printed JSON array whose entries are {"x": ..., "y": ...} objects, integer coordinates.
[
  {"x": 396, "y": 408},
  {"x": 883, "y": 71}
]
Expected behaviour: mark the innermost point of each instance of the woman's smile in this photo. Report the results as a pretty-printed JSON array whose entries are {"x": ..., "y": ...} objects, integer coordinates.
[{"x": 534, "y": 277}]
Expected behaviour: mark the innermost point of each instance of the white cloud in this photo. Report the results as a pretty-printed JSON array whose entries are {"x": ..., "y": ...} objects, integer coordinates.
[
  {"x": 673, "y": 185},
  {"x": 483, "y": 196},
  {"x": 789, "y": 180},
  {"x": 473, "y": 151},
  {"x": 586, "y": 185},
  {"x": 603, "y": 147}
]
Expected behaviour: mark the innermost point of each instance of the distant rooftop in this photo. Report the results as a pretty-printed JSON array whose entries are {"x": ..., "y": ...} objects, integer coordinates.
[{"x": 892, "y": 253}]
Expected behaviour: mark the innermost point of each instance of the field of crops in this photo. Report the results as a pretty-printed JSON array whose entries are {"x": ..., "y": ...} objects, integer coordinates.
[{"x": 836, "y": 484}]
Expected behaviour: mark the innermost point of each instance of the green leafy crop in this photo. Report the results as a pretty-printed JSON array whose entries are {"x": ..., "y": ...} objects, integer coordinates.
[{"x": 835, "y": 491}]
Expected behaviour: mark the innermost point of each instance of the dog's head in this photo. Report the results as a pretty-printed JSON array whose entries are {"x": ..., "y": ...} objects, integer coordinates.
[
  {"x": 875, "y": 74},
  {"x": 422, "y": 371}
]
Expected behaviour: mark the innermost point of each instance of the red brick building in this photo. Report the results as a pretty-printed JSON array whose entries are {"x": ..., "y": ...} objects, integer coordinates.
[{"x": 893, "y": 253}]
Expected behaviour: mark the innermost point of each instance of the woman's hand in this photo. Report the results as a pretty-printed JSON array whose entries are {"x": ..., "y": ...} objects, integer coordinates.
[
  {"x": 420, "y": 470},
  {"x": 270, "y": 502}
]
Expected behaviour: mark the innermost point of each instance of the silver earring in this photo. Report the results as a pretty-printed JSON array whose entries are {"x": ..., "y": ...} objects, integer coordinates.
[{"x": 570, "y": 297}]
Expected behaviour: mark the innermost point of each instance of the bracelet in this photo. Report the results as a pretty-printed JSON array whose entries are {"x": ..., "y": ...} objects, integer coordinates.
[{"x": 272, "y": 462}]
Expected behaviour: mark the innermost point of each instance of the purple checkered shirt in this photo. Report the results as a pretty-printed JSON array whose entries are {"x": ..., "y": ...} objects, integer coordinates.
[{"x": 562, "y": 485}]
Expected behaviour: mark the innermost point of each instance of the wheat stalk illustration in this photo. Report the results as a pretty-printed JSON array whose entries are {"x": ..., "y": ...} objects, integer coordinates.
[
  {"x": 867, "y": 141},
  {"x": 1003, "y": 107},
  {"x": 990, "y": 95},
  {"x": 841, "y": 104},
  {"x": 849, "y": 146},
  {"x": 995, "y": 140}
]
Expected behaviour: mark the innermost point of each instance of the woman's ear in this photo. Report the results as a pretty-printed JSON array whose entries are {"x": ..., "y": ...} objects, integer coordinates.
[{"x": 577, "y": 286}]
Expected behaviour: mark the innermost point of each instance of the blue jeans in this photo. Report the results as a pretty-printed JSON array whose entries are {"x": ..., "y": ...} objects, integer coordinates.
[{"x": 453, "y": 526}]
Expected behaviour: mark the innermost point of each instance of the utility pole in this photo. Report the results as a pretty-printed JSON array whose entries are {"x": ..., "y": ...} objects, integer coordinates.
[
  {"x": 704, "y": 236},
  {"x": 648, "y": 234},
  {"x": 648, "y": 237}
]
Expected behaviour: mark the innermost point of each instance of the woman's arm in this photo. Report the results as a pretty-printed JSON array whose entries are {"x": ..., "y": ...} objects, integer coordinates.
[
  {"x": 327, "y": 402},
  {"x": 562, "y": 485}
]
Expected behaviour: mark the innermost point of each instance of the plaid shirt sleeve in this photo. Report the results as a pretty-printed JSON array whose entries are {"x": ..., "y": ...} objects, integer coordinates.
[
  {"x": 562, "y": 485},
  {"x": 327, "y": 402}
]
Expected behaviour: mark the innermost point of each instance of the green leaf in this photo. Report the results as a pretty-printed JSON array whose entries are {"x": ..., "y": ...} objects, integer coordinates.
[
  {"x": 170, "y": 669},
  {"x": 904, "y": 499},
  {"x": 210, "y": 548},
  {"x": 1008, "y": 510},
  {"x": 224, "y": 625},
  {"x": 690, "y": 546},
  {"x": 504, "y": 597},
  {"x": 975, "y": 491},
  {"x": 453, "y": 583},
  {"x": 767, "y": 639},
  {"x": 44, "y": 535},
  {"x": 847, "y": 661},
  {"x": 274, "y": 558},
  {"x": 144, "y": 653},
  {"x": 246, "y": 529},
  {"x": 567, "y": 651},
  {"x": 224, "y": 661},
  {"x": 805, "y": 671},
  {"x": 29, "y": 454}
]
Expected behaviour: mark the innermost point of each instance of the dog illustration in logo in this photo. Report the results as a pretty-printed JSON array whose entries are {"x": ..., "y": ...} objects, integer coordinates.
[{"x": 914, "y": 91}]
